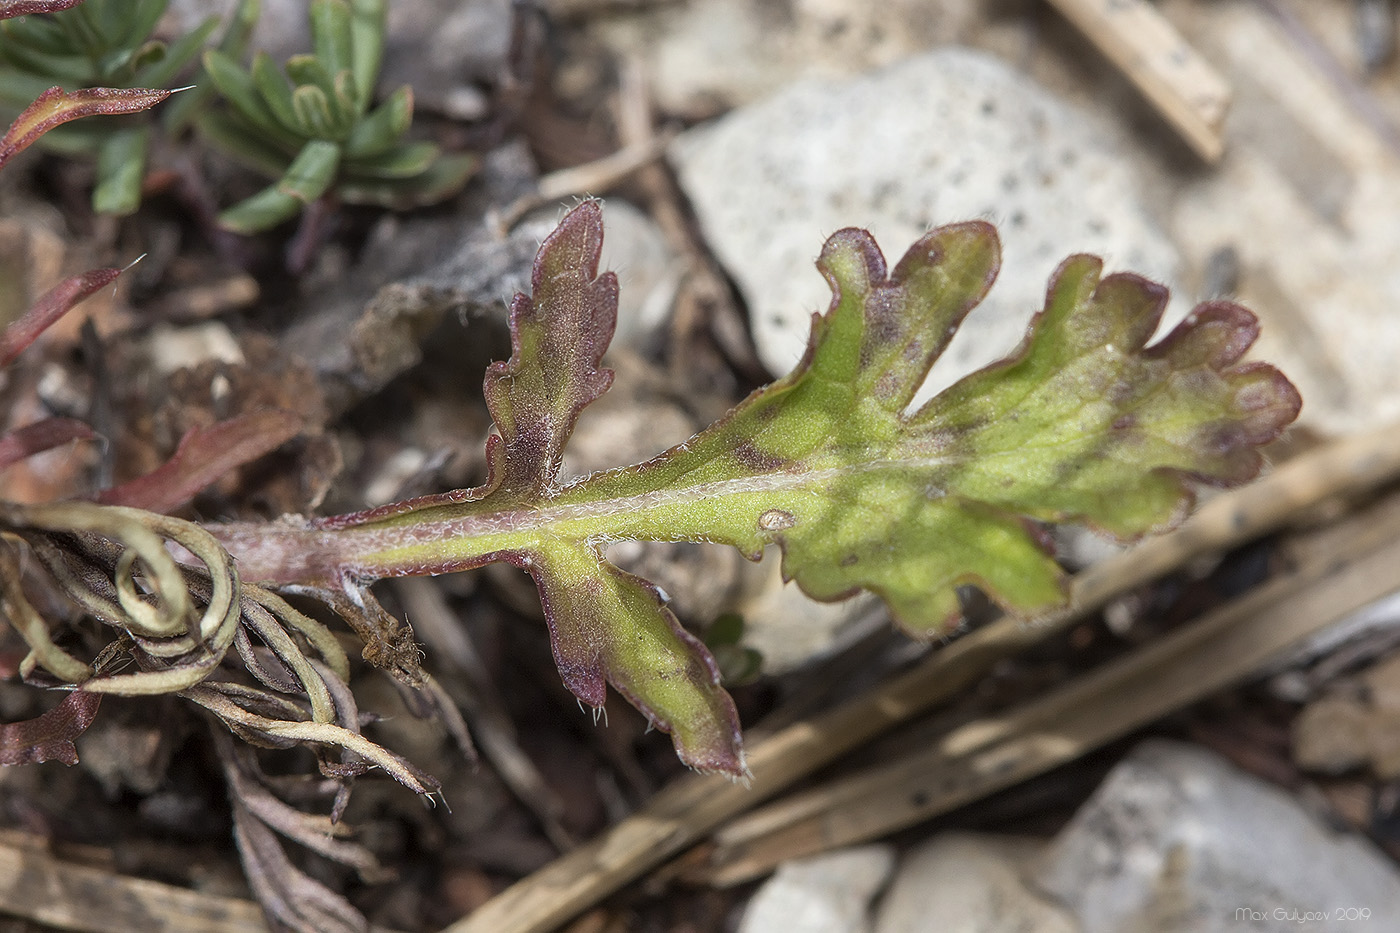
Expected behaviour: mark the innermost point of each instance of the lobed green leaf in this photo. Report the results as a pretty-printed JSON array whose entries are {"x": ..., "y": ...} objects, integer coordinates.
[{"x": 1085, "y": 423}]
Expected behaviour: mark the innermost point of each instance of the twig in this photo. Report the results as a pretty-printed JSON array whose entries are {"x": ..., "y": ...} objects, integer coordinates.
[
  {"x": 707, "y": 297},
  {"x": 1184, "y": 88},
  {"x": 683, "y": 813},
  {"x": 589, "y": 178},
  {"x": 39, "y": 887},
  {"x": 1357, "y": 95}
]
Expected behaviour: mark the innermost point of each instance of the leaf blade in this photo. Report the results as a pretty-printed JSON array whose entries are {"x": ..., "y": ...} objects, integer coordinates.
[
  {"x": 557, "y": 341},
  {"x": 608, "y": 626},
  {"x": 57, "y": 106}
]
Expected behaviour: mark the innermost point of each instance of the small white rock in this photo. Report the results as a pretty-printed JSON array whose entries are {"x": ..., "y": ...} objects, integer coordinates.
[
  {"x": 968, "y": 883},
  {"x": 171, "y": 348},
  {"x": 788, "y": 628},
  {"x": 950, "y": 135},
  {"x": 1178, "y": 839},
  {"x": 828, "y": 893}
]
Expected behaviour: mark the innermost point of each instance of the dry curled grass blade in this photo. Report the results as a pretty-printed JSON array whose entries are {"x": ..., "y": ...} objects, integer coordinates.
[
  {"x": 218, "y": 698},
  {"x": 113, "y": 562},
  {"x": 133, "y": 531},
  {"x": 29, "y": 625}
]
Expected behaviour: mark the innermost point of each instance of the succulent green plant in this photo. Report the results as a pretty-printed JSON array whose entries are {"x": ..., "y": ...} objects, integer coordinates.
[
  {"x": 312, "y": 128},
  {"x": 95, "y": 44}
]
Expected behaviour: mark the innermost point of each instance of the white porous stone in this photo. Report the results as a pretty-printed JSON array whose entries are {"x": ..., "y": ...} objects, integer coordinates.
[
  {"x": 968, "y": 883},
  {"x": 828, "y": 893},
  {"x": 1176, "y": 839},
  {"x": 950, "y": 135},
  {"x": 785, "y": 626}
]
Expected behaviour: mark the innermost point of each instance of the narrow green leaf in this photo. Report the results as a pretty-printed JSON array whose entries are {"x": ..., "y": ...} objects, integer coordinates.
[
  {"x": 243, "y": 142},
  {"x": 403, "y": 161},
  {"x": 121, "y": 167},
  {"x": 126, "y": 24},
  {"x": 380, "y": 129},
  {"x": 38, "y": 33},
  {"x": 367, "y": 46},
  {"x": 312, "y": 172},
  {"x": 133, "y": 59},
  {"x": 277, "y": 94},
  {"x": 18, "y": 90},
  {"x": 241, "y": 91},
  {"x": 86, "y": 28},
  {"x": 240, "y": 28},
  {"x": 183, "y": 110},
  {"x": 344, "y": 101},
  {"x": 263, "y": 211},
  {"x": 307, "y": 69},
  {"x": 443, "y": 178},
  {"x": 177, "y": 55},
  {"x": 330, "y": 34},
  {"x": 72, "y": 70},
  {"x": 313, "y": 112}
]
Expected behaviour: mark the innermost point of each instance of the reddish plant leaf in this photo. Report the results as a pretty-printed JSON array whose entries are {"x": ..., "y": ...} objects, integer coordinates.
[
  {"x": 40, "y": 436},
  {"x": 56, "y": 106},
  {"x": 55, "y": 303},
  {"x": 558, "y": 338},
  {"x": 49, "y": 737},
  {"x": 203, "y": 457}
]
